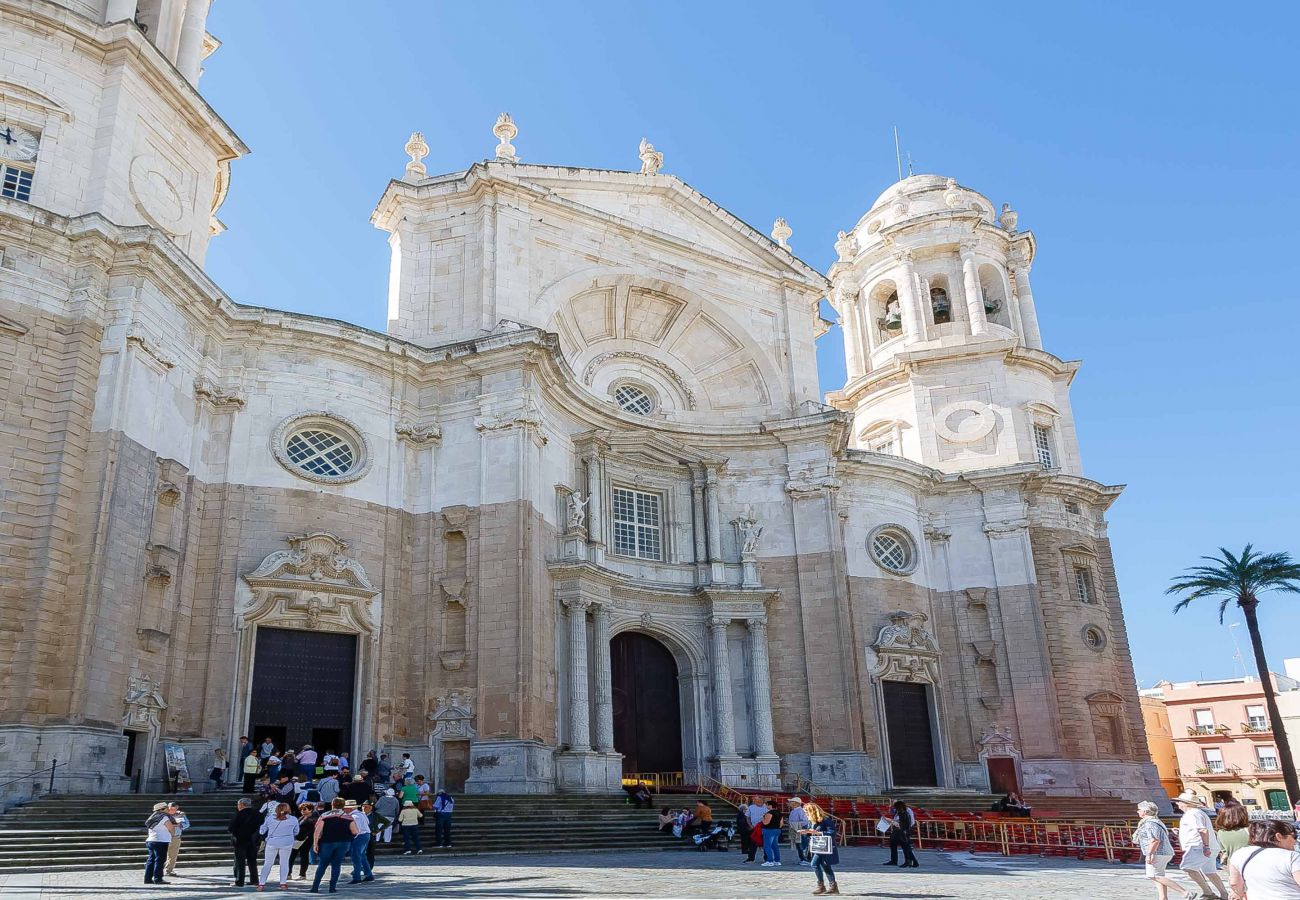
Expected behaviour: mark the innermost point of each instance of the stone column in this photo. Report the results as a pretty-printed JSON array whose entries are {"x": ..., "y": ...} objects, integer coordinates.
[
  {"x": 1025, "y": 303},
  {"x": 596, "y": 507},
  {"x": 979, "y": 321},
  {"x": 717, "y": 573},
  {"x": 760, "y": 686},
  {"x": 120, "y": 10},
  {"x": 579, "y": 715},
  {"x": 701, "y": 527},
  {"x": 724, "y": 730},
  {"x": 909, "y": 303},
  {"x": 604, "y": 682},
  {"x": 850, "y": 310},
  {"x": 189, "y": 55}
]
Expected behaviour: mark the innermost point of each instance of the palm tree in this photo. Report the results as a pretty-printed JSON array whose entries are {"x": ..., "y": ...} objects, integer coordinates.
[{"x": 1242, "y": 579}]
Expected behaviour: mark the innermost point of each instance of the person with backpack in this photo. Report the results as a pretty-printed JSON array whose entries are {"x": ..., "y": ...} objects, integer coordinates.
[
  {"x": 1269, "y": 868},
  {"x": 443, "y": 805},
  {"x": 1152, "y": 840},
  {"x": 160, "y": 828}
]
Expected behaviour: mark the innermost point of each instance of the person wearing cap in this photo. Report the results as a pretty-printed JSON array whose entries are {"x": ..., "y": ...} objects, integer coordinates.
[
  {"x": 388, "y": 806},
  {"x": 1199, "y": 844},
  {"x": 376, "y": 824},
  {"x": 1152, "y": 840},
  {"x": 174, "y": 849},
  {"x": 360, "y": 864},
  {"x": 409, "y": 818},
  {"x": 799, "y": 823},
  {"x": 161, "y": 828}
]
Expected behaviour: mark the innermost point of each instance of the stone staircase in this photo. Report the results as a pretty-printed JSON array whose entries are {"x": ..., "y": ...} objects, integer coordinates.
[{"x": 63, "y": 833}]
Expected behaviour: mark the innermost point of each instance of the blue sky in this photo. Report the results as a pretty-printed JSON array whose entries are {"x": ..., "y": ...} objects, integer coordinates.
[{"x": 1151, "y": 150}]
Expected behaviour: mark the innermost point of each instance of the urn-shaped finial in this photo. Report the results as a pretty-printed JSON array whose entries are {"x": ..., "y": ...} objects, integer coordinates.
[
  {"x": 781, "y": 232},
  {"x": 505, "y": 131},
  {"x": 417, "y": 149},
  {"x": 1009, "y": 217}
]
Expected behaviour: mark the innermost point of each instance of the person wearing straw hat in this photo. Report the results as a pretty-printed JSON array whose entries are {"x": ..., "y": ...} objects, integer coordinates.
[
  {"x": 1200, "y": 846},
  {"x": 1152, "y": 840},
  {"x": 798, "y": 822}
]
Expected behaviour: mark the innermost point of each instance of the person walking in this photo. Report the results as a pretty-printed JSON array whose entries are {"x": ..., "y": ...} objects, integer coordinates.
[
  {"x": 771, "y": 823},
  {"x": 743, "y": 828},
  {"x": 383, "y": 771},
  {"x": 280, "y": 831},
  {"x": 1152, "y": 840},
  {"x": 408, "y": 766},
  {"x": 267, "y": 750},
  {"x": 307, "y": 762},
  {"x": 900, "y": 835},
  {"x": 1199, "y": 844},
  {"x": 1232, "y": 828},
  {"x": 219, "y": 766},
  {"x": 174, "y": 848},
  {"x": 443, "y": 806},
  {"x": 388, "y": 806},
  {"x": 272, "y": 764},
  {"x": 160, "y": 828},
  {"x": 1269, "y": 868},
  {"x": 369, "y": 766},
  {"x": 822, "y": 863},
  {"x": 302, "y": 843},
  {"x": 799, "y": 826},
  {"x": 328, "y": 787},
  {"x": 245, "y": 835},
  {"x": 331, "y": 840},
  {"x": 250, "y": 767},
  {"x": 360, "y": 866},
  {"x": 409, "y": 818},
  {"x": 377, "y": 824}
]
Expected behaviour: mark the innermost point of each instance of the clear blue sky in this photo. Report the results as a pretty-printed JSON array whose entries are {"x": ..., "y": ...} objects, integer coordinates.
[{"x": 1152, "y": 151}]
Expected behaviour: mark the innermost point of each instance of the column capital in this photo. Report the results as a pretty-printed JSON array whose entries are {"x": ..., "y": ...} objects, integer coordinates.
[
  {"x": 579, "y": 604},
  {"x": 756, "y": 625},
  {"x": 904, "y": 256},
  {"x": 968, "y": 246},
  {"x": 718, "y": 622}
]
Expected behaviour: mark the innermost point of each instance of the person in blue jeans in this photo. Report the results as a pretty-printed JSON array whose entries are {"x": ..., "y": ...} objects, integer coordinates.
[
  {"x": 409, "y": 819},
  {"x": 361, "y": 870},
  {"x": 772, "y": 834},
  {"x": 334, "y": 833},
  {"x": 161, "y": 828},
  {"x": 443, "y": 806}
]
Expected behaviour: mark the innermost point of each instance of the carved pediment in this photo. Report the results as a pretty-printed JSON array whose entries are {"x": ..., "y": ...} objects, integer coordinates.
[
  {"x": 644, "y": 447},
  {"x": 319, "y": 558},
  {"x": 997, "y": 741},
  {"x": 905, "y": 650},
  {"x": 144, "y": 704},
  {"x": 452, "y": 719},
  {"x": 314, "y": 585}
]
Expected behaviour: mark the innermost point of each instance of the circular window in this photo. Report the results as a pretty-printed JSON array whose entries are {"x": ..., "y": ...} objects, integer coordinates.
[
  {"x": 321, "y": 448},
  {"x": 633, "y": 399},
  {"x": 893, "y": 549},
  {"x": 1094, "y": 638}
]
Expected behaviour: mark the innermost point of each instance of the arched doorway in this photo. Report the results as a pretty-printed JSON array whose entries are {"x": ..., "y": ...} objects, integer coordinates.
[{"x": 647, "y": 708}]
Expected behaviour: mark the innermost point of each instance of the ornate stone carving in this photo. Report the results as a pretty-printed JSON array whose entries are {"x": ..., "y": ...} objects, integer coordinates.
[
  {"x": 781, "y": 232},
  {"x": 1006, "y": 528},
  {"x": 905, "y": 650},
  {"x": 168, "y": 492},
  {"x": 748, "y": 532},
  {"x": 505, "y": 131},
  {"x": 652, "y": 160},
  {"x": 418, "y": 435},
  {"x": 951, "y": 194},
  {"x": 846, "y": 247},
  {"x": 1009, "y": 218},
  {"x": 137, "y": 337},
  {"x": 313, "y": 585},
  {"x": 417, "y": 149},
  {"x": 997, "y": 741},
  {"x": 144, "y": 704},
  {"x": 220, "y": 398},
  {"x": 577, "y": 509},
  {"x": 328, "y": 421},
  {"x": 938, "y": 535},
  {"x": 452, "y": 719}
]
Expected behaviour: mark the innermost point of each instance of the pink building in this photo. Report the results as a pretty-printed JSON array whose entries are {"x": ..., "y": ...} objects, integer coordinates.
[{"x": 1224, "y": 740}]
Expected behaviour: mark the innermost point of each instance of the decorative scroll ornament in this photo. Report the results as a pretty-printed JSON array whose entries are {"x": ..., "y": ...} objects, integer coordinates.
[
  {"x": 418, "y": 435},
  {"x": 997, "y": 741},
  {"x": 417, "y": 149},
  {"x": 505, "y": 131},
  {"x": 452, "y": 719},
  {"x": 144, "y": 704},
  {"x": 905, "y": 650},
  {"x": 314, "y": 585},
  {"x": 221, "y": 399},
  {"x": 951, "y": 194},
  {"x": 652, "y": 160},
  {"x": 846, "y": 247}
]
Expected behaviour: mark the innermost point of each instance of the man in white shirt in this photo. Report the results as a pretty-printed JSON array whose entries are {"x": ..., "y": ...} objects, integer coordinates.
[
  {"x": 1199, "y": 844},
  {"x": 307, "y": 762},
  {"x": 798, "y": 820}
]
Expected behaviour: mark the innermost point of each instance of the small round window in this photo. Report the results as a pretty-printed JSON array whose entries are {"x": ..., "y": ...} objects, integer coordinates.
[
  {"x": 321, "y": 448},
  {"x": 633, "y": 399},
  {"x": 892, "y": 549},
  {"x": 1094, "y": 638}
]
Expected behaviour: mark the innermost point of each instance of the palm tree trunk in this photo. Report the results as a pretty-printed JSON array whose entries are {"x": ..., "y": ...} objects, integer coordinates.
[{"x": 1270, "y": 700}]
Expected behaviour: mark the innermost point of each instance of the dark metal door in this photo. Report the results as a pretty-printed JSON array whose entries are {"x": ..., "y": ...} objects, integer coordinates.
[
  {"x": 303, "y": 681},
  {"x": 647, "y": 714},
  {"x": 911, "y": 744}
]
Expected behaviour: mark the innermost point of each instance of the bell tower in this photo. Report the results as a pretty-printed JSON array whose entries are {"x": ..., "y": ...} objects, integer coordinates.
[{"x": 945, "y": 360}]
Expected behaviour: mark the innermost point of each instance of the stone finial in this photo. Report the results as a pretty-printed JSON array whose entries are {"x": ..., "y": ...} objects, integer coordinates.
[
  {"x": 951, "y": 194},
  {"x": 846, "y": 247},
  {"x": 417, "y": 149},
  {"x": 1009, "y": 217},
  {"x": 781, "y": 232},
  {"x": 505, "y": 131},
  {"x": 652, "y": 160}
]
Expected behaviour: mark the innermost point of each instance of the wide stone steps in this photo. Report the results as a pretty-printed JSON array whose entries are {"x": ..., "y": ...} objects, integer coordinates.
[{"x": 58, "y": 833}]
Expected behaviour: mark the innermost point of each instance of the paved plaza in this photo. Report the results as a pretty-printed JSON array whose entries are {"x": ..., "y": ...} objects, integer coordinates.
[{"x": 645, "y": 874}]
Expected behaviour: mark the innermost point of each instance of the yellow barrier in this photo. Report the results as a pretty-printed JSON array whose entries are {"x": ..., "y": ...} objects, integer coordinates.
[{"x": 656, "y": 781}]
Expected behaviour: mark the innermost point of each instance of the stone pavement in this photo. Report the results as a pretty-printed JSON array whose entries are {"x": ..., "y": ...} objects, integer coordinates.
[{"x": 641, "y": 874}]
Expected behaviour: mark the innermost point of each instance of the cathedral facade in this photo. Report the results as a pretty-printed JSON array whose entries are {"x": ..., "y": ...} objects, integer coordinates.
[{"x": 582, "y": 511}]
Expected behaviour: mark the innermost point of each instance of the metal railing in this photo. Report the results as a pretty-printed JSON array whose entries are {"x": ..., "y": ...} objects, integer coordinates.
[
  {"x": 1094, "y": 791},
  {"x": 54, "y": 764},
  {"x": 656, "y": 781}
]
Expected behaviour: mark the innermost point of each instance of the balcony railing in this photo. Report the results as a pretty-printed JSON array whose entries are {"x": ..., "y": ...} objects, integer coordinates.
[
  {"x": 1206, "y": 730},
  {"x": 1248, "y": 728},
  {"x": 1220, "y": 772},
  {"x": 1269, "y": 767}
]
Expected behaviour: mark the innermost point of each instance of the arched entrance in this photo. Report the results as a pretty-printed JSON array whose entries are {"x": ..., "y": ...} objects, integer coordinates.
[{"x": 647, "y": 708}]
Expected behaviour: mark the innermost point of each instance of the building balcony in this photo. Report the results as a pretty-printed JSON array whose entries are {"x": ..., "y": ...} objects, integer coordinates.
[
  {"x": 1265, "y": 729},
  {"x": 1207, "y": 730},
  {"x": 1267, "y": 768},
  {"x": 1226, "y": 773}
]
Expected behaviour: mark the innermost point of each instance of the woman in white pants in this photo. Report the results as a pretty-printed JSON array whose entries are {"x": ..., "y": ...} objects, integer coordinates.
[{"x": 280, "y": 830}]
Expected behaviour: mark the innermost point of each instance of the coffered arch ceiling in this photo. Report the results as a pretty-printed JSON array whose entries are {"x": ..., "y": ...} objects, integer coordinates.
[{"x": 688, "y": 353}]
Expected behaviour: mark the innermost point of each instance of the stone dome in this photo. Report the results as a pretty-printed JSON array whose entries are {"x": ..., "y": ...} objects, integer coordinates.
[{"x": 919, "y": 195}]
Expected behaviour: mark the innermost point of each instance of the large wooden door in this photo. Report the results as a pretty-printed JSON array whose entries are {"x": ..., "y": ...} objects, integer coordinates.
[
  {"x": 647, "y": 711},
  {"x": 303, "y": 684},
  {"x": 455, "y": 765},
  {"x": 1002, "y": 775},
  {"x": 911, "y": 742}
]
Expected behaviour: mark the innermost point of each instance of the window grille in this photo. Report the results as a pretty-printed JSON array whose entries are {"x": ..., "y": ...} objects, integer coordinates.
[
  {"x": 1213, "y": 759},
  {"x": 320, "y": 452},
  {"x": 15, "y": 182},
  {"x": 637, "y": 524},
  {"x": 1267, "y": 759},
  {"x": 1256, "y": 717},
  {"x": 890, "y": 551},
  {"x": 1083, "y": 585},
  {"x": 1043, "y": 446},
  {"x": 633, "y": 399}
]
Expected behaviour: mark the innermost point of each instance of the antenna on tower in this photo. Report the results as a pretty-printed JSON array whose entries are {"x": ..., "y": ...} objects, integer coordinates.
[{"x": 898, "y": 156}]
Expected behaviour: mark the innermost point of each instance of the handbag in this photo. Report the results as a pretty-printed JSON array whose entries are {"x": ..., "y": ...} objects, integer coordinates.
[
  {"x": 424, "y": 805},
  {"x": 821, "y": 844}
]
